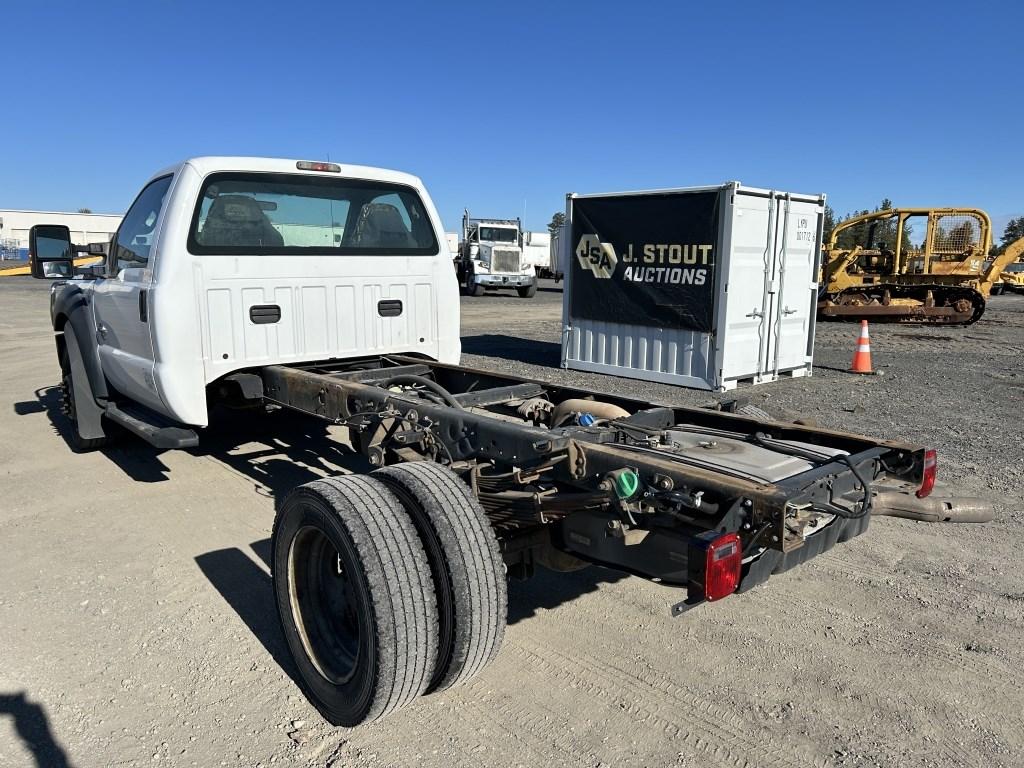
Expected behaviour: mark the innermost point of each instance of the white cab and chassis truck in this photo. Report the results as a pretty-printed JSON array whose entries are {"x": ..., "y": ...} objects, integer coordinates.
[
  {"x": 325, "y": 291},
  {"x": 491, "y": 256}
]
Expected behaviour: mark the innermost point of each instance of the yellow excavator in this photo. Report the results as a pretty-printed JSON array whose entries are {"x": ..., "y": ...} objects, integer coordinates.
[{"x": 912, "y": 265}]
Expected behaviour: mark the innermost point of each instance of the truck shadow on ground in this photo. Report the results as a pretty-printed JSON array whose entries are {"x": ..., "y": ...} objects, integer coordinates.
[
  {"x": 532, "y": 351},
  {"x": 33, "y": 727},
  {"x": 275, "y": 451},
  {"x": 278, "y": 452},
  {"x": 248, "y": 589},
  {"x": 136, "y": 459},
  {"x": 246, "y": 586},
  {"x": 548, "y": 590}
]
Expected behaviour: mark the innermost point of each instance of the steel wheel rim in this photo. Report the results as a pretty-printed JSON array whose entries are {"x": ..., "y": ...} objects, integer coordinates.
[{"x": 325, "y": 608}]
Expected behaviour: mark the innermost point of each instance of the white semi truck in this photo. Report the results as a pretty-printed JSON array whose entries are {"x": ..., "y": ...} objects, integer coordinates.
[
  {"x": 491, "y": 256},
  {"x": 325, "y": 291}
]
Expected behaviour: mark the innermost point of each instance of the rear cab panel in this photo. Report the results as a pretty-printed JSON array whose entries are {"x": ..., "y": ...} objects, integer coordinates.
[{"x": 314, "y": 305}]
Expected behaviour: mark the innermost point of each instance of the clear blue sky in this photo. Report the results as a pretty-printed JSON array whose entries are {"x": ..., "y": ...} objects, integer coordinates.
[{"x": 506, "y": 107}]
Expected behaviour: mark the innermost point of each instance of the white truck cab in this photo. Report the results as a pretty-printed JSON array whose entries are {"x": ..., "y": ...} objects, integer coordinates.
[{"x": 226, "y": 263}]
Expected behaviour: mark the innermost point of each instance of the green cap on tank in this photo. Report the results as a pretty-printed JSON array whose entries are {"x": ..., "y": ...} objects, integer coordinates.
[{"x": 626, "y": 483}]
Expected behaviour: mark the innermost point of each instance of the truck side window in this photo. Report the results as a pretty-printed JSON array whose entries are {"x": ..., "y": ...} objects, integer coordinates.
[{"x": 135, "y": 235}]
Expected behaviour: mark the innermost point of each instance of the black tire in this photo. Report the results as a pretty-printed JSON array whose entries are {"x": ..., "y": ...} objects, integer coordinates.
[
  {"x": 354, "y": 595},
  {"x": 466, "y": 563},
  {"x": 475, "y": 289},
  {"x": 527, "y": 291},
  {"x": 997, "y": 290},
  {"x": 79, "y": 444}
]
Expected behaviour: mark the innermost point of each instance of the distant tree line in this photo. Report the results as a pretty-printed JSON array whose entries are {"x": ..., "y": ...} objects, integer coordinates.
[{"x": 1014, "y": 231}]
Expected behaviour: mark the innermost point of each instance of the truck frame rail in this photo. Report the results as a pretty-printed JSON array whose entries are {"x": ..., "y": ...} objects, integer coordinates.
[{"x": 567, "y": 472}]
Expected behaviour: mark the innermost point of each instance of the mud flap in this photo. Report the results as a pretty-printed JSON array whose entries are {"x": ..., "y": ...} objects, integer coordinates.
[{"x": 88, "y": 414}]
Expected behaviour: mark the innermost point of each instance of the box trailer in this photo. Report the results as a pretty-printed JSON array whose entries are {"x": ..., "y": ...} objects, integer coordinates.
[
  {"x": 703, "y": 287},
  {"x": 537, "y": 250}
]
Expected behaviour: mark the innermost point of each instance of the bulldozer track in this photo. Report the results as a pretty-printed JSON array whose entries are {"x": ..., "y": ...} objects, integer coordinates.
[{"x": 943, "y": 295}]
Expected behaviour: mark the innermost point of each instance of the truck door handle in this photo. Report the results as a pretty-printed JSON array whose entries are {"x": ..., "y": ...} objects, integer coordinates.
[
  {"x": 788, "y": 311},
  {"x": 389, "y": 307},
  {"x": 143, "y": 307},
  {"x": 261, "y": 314},
  {"x": 755, "y": 313}
]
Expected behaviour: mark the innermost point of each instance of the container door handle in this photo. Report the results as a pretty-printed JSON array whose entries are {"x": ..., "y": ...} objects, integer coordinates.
[
  {"x": 788, "y": 311},
  {"x": 755, "y": 313}
]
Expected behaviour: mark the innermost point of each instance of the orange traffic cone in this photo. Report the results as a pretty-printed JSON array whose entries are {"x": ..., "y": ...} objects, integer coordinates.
[{"x": 862, "y": 357}]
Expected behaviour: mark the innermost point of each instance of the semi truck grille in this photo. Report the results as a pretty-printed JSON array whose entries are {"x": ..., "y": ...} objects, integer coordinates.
[{"x": 505, "y": 260}]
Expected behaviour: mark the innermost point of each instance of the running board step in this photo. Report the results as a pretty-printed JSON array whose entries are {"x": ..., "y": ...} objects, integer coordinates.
[{"x": 152, "y": 428}]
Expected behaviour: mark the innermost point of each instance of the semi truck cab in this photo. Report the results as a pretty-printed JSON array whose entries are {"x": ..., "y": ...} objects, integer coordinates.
[{"x": 491, "y": 256}]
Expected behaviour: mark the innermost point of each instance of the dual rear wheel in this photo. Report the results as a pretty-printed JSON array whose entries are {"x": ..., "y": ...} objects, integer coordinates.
[{"x": 388, "y": 586}]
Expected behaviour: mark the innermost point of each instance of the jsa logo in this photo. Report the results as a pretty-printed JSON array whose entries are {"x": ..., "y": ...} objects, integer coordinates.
[{"x": 596, "y": 256}]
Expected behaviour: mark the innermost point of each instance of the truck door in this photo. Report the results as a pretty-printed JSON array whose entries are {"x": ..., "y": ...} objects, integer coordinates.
[
  {"x": 794, "y": 284},
  {"x": 121, "y": 301}
]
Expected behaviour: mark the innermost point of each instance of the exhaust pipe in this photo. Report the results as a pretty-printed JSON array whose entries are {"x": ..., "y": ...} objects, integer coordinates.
[{"x": 933, "y": 508}]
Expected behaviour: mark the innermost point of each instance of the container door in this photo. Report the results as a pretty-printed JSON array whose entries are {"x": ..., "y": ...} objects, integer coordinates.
[
  {"x": 748, "y": 271},
  {"x": 793, "y": 284}
]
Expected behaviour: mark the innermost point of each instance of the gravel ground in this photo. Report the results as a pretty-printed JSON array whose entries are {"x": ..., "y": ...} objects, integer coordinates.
[{"x": 137, "y": 625}]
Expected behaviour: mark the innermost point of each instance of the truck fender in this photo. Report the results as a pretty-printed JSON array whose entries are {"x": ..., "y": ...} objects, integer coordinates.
[{"x": 71, "y": 309}]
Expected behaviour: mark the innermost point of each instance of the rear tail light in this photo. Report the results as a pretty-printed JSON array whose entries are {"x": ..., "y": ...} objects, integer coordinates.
[
  {"x": 715, "y": 564},
  {"x": 930, "y": 469}
]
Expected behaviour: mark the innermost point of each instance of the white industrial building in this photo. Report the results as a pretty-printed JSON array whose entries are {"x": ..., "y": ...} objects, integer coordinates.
[{"x": 85, "y": 228}]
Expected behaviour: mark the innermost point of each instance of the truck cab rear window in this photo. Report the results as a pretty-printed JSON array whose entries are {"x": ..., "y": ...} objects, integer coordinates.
[{"x": 272, "y": 214}]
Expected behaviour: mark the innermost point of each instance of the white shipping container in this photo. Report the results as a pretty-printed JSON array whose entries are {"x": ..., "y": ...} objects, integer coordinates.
[{"x": 761, "y": 300}]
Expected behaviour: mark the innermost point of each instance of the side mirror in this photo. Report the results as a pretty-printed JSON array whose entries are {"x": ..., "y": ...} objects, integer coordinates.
[{"x": 50, "y": 251}]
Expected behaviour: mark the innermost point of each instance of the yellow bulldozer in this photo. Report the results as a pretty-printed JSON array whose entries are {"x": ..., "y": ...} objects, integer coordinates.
[{"x": 912, "y": 265}]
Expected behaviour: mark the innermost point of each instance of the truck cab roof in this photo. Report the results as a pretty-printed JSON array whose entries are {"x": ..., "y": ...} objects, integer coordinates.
[{"x": 208, "y": 164}]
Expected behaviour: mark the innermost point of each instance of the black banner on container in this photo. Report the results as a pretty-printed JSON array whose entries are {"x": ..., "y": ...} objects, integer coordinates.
[{"x": 645, "y": 259}]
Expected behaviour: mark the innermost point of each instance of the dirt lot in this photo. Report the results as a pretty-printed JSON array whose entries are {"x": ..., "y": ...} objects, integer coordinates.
[{"x": 137, "y": 624}]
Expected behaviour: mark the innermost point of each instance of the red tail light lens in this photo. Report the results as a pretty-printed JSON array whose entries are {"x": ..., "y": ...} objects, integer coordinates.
[
  {"x": 715, "y": 565},
  {"x": 930, "y": 469},
  {"x": 722, "y": 567}
]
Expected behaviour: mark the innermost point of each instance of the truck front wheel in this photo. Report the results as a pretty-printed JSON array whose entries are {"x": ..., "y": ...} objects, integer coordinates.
[
  {"x": 466, "y": 564},
  {"x": 527, "y": 291},
  {"x": 474, "y": 289},
  {"x": 355, "y": 598}
]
